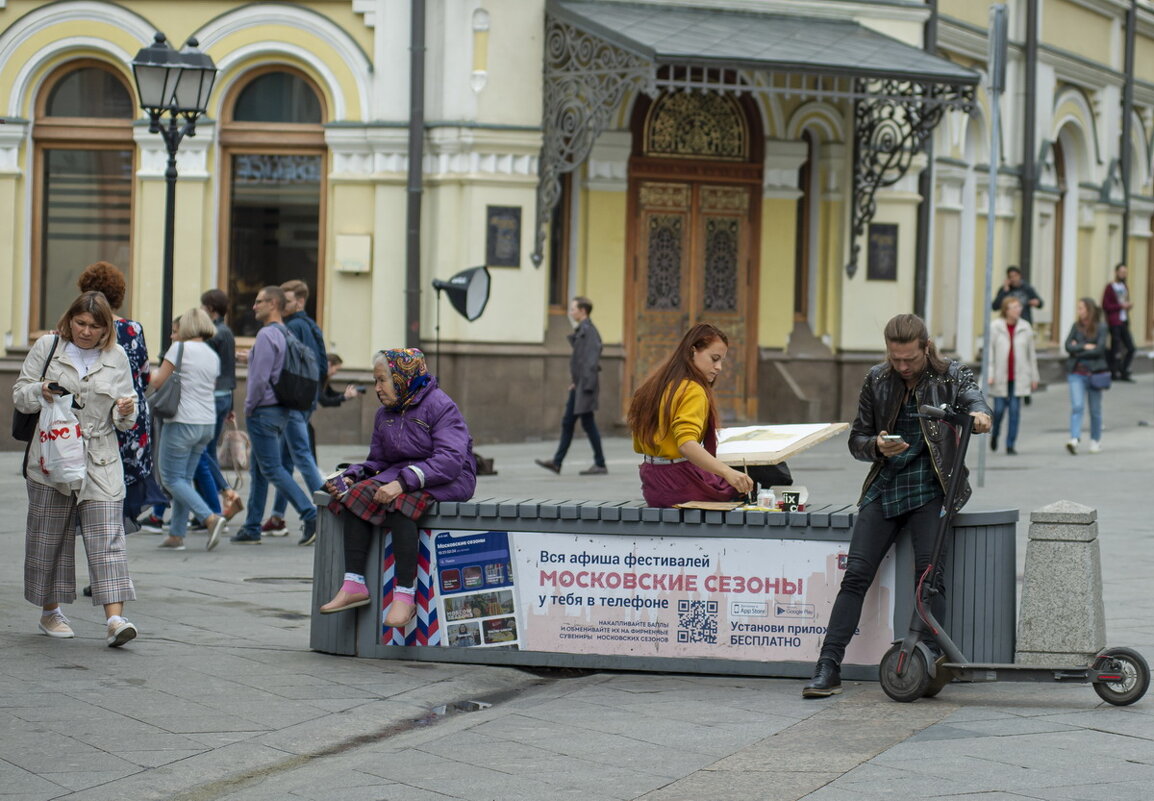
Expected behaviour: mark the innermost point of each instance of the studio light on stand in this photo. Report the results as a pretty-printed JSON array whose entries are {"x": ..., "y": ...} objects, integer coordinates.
[{"x": 468, "y": 291}]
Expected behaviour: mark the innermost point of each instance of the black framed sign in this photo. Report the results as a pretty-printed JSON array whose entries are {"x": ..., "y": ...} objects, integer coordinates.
[
  {"x": 882, "y": 259},
  {"x": 503, "y": 236}
]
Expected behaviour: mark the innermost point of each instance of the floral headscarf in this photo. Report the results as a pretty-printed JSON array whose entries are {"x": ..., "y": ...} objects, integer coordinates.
[{"x": 409, "y": 375}]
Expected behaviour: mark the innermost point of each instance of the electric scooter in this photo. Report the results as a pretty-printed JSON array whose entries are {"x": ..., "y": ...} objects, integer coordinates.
[{"x": 926, "y": 660}]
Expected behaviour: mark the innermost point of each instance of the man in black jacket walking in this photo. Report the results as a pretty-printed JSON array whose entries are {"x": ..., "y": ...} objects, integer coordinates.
[
  {"x": 585, "y": 370},
  {"x": 906, "y": 485}
]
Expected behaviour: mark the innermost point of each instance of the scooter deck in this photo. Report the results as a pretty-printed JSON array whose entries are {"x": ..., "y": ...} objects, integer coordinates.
[{"x": 992, "y": 671}]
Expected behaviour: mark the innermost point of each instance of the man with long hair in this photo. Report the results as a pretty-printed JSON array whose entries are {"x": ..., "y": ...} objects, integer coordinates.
[{"x": 905, "y": 487}]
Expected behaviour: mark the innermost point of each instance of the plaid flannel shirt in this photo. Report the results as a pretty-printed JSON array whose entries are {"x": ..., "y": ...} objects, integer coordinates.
[{"x": 908, "y": 480}]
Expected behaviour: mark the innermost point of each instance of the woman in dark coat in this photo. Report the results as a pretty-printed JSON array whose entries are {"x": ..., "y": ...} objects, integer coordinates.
[{"x": 421, "y": 452}]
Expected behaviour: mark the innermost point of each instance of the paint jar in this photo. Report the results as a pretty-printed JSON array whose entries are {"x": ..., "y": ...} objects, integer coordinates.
[{"x": 766, "y": 498}]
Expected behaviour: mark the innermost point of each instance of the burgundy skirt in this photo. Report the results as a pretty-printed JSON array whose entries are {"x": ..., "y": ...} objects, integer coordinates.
[{"x": 671, "y": 484}]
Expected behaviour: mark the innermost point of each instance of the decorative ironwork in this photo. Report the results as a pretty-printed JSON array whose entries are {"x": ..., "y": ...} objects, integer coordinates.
[
  {"x": 695, "y": 125},
  {"x": 586, "y": 79},
  {"x": 666, "y": 246},
  {"x": 721, "y": 243},
  {"x": 891, "y": 125}
]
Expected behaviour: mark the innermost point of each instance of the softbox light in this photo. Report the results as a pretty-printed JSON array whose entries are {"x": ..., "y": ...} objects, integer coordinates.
[{"x": 468, "y": 291}]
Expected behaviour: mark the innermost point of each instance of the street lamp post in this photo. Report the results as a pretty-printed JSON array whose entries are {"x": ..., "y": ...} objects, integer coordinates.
[{"x": 177, "y": 84}]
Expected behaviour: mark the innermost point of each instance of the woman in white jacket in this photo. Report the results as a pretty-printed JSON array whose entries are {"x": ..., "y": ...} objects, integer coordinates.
[
  {"x": 91, "y": 372},
  {"x": 1013, "y": 369}
]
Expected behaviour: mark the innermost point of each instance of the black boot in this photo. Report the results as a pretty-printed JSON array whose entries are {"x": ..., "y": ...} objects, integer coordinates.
[{"x": 826, "y": 680}]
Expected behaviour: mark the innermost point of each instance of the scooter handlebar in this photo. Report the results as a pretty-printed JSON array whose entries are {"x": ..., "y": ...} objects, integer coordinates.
[{"x": 943, "y": 412}]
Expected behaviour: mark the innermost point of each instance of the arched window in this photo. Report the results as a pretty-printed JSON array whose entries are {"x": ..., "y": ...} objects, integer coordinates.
[
  {"x": 275, "y": 160},
  {"x": 278, "y": 97},
  {"x": 89, "y": 92},
  {"x": 83, "y": 182}
]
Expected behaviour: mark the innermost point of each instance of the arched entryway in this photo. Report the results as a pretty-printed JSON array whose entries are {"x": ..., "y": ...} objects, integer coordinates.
[
  {"x": 694, "y": 207},
  {"x": 275, "y": 162}
]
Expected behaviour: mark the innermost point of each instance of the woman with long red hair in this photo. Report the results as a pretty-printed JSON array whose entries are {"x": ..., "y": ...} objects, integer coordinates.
[{"x": 674, "y": 420}]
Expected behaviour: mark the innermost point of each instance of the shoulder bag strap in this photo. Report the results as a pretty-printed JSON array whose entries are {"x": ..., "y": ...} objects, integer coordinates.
[{"x": 51, "y": 353}]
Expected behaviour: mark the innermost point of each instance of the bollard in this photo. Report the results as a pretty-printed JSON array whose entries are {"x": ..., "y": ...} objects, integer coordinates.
[{"x": 1061, "y": 619}]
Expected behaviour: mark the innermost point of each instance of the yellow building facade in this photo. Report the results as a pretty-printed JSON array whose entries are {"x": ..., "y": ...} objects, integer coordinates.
[{"x": 657, "y": 157}]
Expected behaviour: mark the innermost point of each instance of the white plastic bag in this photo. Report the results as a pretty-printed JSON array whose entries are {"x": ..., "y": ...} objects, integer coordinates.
[{"x": 62, "y": 457}]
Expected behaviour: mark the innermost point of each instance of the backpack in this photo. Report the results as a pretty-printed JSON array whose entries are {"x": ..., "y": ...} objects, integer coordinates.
[{"x": 297, "y": 385}]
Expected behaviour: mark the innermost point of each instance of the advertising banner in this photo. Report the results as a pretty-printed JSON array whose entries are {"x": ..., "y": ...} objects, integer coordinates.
[{"x": 676, "y": 597}]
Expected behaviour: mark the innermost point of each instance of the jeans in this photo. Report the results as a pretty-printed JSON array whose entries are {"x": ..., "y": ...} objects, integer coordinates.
[
  {"x": 180, "y": 450},
  {"x": 872, "y": 537},
  {"x": 569, "y": 423},
  {"x": 296, "y": 451},
  {"x": 1121, "y": 351},
  {"x": 1014, "y": 404},
  {"x": 1079, "y": 389},
  {"x": 266, "y": 429},
  {"x": 210, "y": 481}
]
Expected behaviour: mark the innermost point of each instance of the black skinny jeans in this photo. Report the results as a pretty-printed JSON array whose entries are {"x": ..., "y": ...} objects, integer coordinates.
[
  {"x": 1121, "y": 351},
  {"x": 872, "y": 537},
  {"x": 359, "y": 535},
  {"x": 569, "y": 424}
]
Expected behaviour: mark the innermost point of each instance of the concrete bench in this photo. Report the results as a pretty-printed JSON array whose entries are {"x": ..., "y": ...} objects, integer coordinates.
[{"x": 566, "y": 583}]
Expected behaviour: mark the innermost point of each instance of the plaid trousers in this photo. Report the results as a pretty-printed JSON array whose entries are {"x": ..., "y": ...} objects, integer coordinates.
[{"x": 50, "y": 548}]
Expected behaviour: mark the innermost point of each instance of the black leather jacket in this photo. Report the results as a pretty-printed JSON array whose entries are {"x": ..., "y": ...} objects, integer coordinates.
[{"x": 881, "y": 400}]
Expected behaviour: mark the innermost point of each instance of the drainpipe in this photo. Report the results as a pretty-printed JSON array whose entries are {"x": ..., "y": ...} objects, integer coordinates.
[
  {"x": 1127, "y": 116},
  {"x": 924, "y": 234},
  {"x": 1029, "y": 142},
  {"x": 416, "y": 157}
]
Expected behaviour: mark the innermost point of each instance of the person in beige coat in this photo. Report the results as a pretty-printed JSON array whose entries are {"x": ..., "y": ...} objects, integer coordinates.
[
  {"x": 91, "y": 372},
  {"x": 1013, "y": 369}
]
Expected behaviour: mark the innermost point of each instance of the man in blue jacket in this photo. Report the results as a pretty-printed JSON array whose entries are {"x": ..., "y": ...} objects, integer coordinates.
[{"x": 299, "y": 448}]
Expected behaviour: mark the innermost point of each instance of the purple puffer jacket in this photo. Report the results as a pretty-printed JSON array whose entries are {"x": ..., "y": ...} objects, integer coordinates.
[{"x": 425, "y": 447}]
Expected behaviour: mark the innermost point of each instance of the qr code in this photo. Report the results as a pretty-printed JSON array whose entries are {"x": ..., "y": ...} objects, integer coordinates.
[{"x": 697, "y": 621}]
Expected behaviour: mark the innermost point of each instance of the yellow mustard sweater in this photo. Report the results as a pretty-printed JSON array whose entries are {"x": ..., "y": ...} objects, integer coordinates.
[{"x": 690, "y": 416}]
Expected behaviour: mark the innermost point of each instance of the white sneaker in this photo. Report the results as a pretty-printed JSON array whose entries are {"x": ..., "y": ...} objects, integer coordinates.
[
  {"x": 120, "y": 632},
  {"x": 55, "y": 624},
  {"x": 1095, "y": 446},
  {"x": 1072, "y": 446}
]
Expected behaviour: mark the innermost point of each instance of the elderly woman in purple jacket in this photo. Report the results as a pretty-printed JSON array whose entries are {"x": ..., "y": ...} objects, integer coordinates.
[{"x": 421, "y": 452}]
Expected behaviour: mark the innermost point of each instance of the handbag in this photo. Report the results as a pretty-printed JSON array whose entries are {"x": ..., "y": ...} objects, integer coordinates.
[
  {"x": 234, "y": 453},
  {"x": 24, "y": 423},
  {"x": 165, "y": 402},
  {"x": 1100, "y": 380}
]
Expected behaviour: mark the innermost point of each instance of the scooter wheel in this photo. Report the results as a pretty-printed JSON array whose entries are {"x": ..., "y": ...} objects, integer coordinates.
[
  {"x": 912, "y": 684},
  {"x": 1135, "y": 676}
]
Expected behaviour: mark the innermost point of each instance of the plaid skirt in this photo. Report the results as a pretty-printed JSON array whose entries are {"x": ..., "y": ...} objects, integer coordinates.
[{"x": 359, "y": 501}]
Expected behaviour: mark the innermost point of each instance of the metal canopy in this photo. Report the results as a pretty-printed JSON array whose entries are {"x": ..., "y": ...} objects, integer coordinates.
[
  {"x": 739, "y": 39},
  {"x": 597, "y": 53}
]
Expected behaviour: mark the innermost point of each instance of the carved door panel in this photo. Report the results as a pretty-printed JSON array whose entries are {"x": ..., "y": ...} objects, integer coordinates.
[
  {"x": 664, "y": 245},
  {"x": 721, "y": 275},
  {"x": 691, "y": 257}
]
